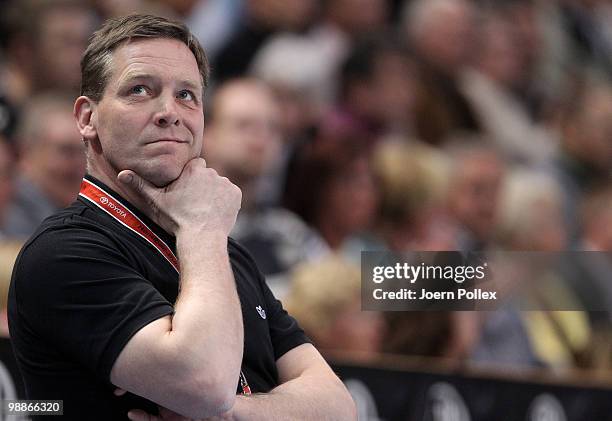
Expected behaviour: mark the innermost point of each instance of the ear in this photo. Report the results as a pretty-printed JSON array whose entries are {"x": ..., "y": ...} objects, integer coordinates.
[{"x": 84, "y": 113}]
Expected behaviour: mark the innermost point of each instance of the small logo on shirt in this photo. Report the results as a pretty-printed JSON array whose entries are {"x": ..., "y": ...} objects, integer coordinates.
[
  {"x": 261, "y": 312},
  {"x": 104, "y": 200}
]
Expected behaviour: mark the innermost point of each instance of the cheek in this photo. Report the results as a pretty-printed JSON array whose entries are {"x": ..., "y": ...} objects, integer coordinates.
[
  {"x": 194, "y": 121},
  {"x": 115, "y": 122}
]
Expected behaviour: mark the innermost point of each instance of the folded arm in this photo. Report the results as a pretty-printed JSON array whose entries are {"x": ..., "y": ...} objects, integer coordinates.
[{"x": 309, "y": 390}]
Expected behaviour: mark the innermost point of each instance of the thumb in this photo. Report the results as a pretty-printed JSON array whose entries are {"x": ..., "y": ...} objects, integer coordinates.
[{"x": 136, "y": 184}]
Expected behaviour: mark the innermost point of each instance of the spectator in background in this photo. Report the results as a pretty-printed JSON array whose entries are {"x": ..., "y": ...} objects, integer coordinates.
[
  {"x": 476, "y": 176},
  {"x": 330, "y": 186},
  {"x": 325, "y": 298},
  {"x": 490, "y": 86},
  {"x": 262, "y": 19},
  {"x": 536, "y": 85},
  {"x": 46, "y": 49},
  {"x": 441, "y": 33},
  {"x": 377, "y": 90},
  {"x": 243, "y": 143},
  {"x": 243, "y": 136},
  {"x": 591, "y": 268},
  {"x": 51, "y": 163},
  {"x": 304, "y": 66},
  {"x": 596, "y": 218},
  {"x": 586, "y": 147},
  {"x": 530, "y": 213},
  {"x": 213, "y": 21},
  {"x": 357, "y": 18},
  {"x": 589, "y": 25},
  {"x": 411, "y": 179},
  {"x": 530, "y": 220}
]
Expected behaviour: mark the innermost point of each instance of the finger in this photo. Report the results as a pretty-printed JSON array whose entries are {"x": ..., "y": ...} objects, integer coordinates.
[
  {"x": 119, "y": 392},
  {"x": 198, "y": 160},
  {"x": 140, "y": 415},
  {"x": 137, "y": 184}
]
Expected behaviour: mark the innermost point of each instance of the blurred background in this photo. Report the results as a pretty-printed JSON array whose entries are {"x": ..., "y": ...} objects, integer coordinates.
[{"x": 350, "y": 125}]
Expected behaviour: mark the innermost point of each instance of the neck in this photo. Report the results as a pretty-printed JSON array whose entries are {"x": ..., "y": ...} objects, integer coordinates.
[{"x": 108, "y": 176}]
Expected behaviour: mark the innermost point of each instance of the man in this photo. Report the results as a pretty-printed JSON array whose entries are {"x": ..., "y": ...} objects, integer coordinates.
[
  {"x": 91, "y": 300},
  {"x": 43, "y": 46},
  {"x": 243, "y": 143},
  {"x": 51, "y": 162},
  {"x": 441, "y": 33},
  {"x": 585, "y": 158},
  {"x": 472, "y": 197}
]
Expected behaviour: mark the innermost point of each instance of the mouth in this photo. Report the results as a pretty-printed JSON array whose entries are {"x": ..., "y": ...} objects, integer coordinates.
[{"x": 170, "y": 140}]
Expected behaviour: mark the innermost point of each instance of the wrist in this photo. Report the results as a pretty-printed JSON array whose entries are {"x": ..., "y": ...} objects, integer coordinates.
[
  {"x": 201, "y": 235},
  {"x": 204, "y": 244},
  {"x": 238, "y": 411}
]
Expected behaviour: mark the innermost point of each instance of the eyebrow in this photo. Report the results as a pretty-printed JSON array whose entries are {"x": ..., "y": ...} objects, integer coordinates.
[{"x": 132, "y": 76}]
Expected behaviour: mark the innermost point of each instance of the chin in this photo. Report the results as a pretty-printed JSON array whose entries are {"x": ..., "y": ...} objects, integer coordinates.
[
  {"x": 162, "y": 175},
  {"x": 163, "y": 170},
  {"x": 162, "y": 179}
]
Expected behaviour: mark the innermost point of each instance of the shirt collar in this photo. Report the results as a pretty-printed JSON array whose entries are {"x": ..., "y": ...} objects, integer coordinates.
[{"x": 169, "y": 239}]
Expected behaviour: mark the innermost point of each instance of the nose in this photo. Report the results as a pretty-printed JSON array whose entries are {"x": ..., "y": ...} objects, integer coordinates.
[{"x": 167, "y": 115}]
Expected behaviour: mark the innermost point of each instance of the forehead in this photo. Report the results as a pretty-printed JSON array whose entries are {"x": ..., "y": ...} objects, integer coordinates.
[
  {"x": 246, "y": 99},
  {"x": 157, "y": 57}
]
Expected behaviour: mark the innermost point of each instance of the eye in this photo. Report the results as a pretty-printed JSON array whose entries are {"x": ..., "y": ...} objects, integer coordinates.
[
  {"x": 186, "y": 95},
  {"x": 138, "y": 90}
]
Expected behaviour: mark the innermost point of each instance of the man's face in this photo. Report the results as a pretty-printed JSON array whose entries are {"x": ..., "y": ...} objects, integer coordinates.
[
  {"x": 58, "y": 158},
  {"x": 150, "y": 118},
  {"x": 245, "y": 137},
  {"x": 475, "y": 192},
  {"x": 63, "y": 38},
  {"x": 447, "y": 42}
]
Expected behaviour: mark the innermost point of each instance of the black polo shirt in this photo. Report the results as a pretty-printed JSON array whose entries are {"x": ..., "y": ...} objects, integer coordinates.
[{"x": 84, "y": 284}]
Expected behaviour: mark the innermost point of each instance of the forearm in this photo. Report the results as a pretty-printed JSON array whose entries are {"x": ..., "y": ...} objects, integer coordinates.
[
  {"x": 314, "y": 395},
  {"x": 207, "y": 325}
]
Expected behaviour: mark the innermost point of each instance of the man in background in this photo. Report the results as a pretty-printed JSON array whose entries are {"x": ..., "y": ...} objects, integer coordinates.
[
  {"x": 51, "y": 163},
  {"x": 243, "y": 142}
]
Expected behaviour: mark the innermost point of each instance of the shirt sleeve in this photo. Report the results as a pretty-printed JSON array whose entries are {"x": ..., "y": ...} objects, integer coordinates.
[
  {"x": 285, "y": 332},
  {"x": 79, "y": 291}
]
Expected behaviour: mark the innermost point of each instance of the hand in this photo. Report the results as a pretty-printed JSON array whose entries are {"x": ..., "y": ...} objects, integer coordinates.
[{"x": 198, "y": 200}]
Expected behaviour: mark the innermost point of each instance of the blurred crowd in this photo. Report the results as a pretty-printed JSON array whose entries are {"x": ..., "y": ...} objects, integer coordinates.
[{"x": 350, "y": 125}]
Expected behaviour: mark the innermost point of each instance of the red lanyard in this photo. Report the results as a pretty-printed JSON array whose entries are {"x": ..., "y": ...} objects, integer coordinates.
[{"x": 128, "y": 219}]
